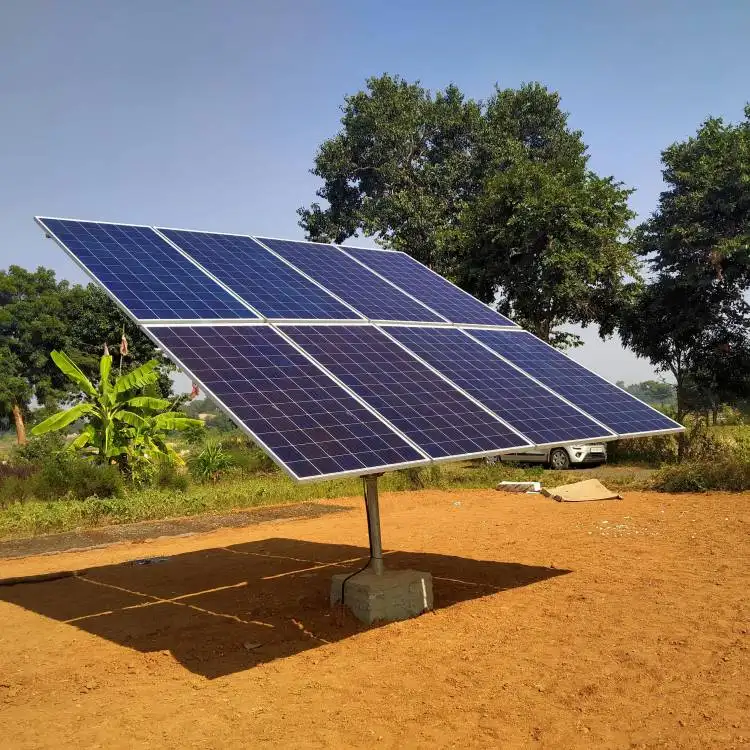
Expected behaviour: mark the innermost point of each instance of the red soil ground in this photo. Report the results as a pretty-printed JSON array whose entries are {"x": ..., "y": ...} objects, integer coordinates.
[{"x": 593, "y": 625}]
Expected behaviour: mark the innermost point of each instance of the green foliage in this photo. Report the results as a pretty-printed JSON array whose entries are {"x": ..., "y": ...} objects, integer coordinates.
[
  {"x": 652, "y": 451},
  {"x": 58, "y": 477},
  {"x": 210, "y": 463},
  {"x": 731, "y": 474},
  {"x": 247, "y": 456},
  {"x": 496, "y": 195},
  {"x": 39, "y": 450},
  {"x": 120, "y": 425},
  {"x": 70, "y": 476},
  {"x": 697, "y": 244}
]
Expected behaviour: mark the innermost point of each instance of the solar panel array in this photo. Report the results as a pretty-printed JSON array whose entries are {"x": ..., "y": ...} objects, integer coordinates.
[{"x": 342, "y": 361}]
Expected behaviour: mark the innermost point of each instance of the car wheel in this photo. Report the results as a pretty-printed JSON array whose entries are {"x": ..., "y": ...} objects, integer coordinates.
[{"x": 559, "y": 459}]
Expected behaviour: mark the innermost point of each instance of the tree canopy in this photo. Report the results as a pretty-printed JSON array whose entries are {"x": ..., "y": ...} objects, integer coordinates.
[
  {"x": 692, "y": 317},
  {"x": 496, "y": 195}
]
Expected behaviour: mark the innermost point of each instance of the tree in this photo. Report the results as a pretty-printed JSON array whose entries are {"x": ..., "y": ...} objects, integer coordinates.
[
  {"x": 120, "y": 424},
  {"x": 692, "y": 317},
  {"x": 495, "y": 195},
  {"x": 39, "y": 314},
  {"x": 32, "y": 322}
]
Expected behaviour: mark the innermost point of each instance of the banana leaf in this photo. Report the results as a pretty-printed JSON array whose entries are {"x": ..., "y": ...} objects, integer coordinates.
[
  {"x": 71, "y": 369},
  {"x": 62, "y": 419}
]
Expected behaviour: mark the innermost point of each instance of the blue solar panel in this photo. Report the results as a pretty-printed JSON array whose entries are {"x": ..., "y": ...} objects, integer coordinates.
[
  {"x": 436, "y": 292},
  {"x": 524, "y": 404},
  {"x": 311, "y": 424},
  {"x": 373, "y": 297},
  {"x": 438, "y": 418},
  {"x": 259, "y": 277},
  {"x": 148, "y": 276},
  {"x": 611, "y": 406}
]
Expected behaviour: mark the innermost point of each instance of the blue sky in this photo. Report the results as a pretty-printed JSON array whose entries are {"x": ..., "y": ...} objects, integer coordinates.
[{"x": 208, "y": 114}]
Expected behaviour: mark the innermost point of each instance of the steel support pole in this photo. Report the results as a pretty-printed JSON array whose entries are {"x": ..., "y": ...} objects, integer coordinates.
[{"x": 373, "y": 523}]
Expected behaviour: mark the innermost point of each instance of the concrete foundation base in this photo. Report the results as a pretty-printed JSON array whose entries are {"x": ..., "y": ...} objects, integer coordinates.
[{"x": 394, "y": 595}]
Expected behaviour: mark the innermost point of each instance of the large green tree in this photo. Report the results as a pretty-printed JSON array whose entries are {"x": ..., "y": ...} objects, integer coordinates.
[
  {"x": 38, "y": 313},
  {"x": 692, "y": 317},
  {"x": 496, "y": 195}
]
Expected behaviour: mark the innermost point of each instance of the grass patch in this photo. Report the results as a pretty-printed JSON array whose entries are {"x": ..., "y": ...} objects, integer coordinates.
[{"x": 33, "y": 517}]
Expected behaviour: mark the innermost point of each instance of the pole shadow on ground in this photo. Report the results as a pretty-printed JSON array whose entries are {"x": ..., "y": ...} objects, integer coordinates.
[{"x": 224, "y": 610}]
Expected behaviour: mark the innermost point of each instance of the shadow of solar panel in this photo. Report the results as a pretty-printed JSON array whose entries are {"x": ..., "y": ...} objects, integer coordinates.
[
  {"x": 436, "y": 416},
  {"x": 151, "y": 279},
  {"x": 272, "y": 287},
  {"x": 615, "y": 408},
  {"x": 531, "y": 409},
  {"x": 306, "y": 421},
  {"x": 427, "y": 286},
  {"x": 356, "y": 285}
]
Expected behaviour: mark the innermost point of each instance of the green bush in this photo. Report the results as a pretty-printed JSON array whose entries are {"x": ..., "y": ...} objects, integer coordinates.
[
  {"x": 169, "y": 477},
  {"x": 210, "y": 463},
  {"x": 39, "y": 450},
  {"x": 246, "y": 456},
  {"x": 654, "y": 451},
  {"x": 76, "y": 478},
  {"x": 15, "y": 489},
  {"x": 731, "y": 474}
]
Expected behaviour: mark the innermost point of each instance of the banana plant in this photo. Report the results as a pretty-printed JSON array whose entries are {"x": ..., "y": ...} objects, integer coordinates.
[{"x": 120, "y": 425}]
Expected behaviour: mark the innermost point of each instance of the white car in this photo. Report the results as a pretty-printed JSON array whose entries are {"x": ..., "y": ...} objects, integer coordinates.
[{"x": 562, "y": 457}]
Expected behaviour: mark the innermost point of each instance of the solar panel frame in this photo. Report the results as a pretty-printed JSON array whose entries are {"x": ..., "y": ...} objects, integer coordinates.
[
  {"x": 449, "y": 384},
  {"x": 605, "y": 435},
  {"x": 619, "y": 435},
  {"x": 292, "y": 269},
  {"x": 252, "y": 318},
  {"x": 442, "y": 279},
  {"x": 436, "y": 317},
  {"x": 151, "y": 333}
]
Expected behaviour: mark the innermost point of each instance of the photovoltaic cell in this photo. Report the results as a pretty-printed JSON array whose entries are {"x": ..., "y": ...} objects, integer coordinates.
[
  {"x": 359, "y": 287},
  {"x": 428, "y": 287},
  {"x": 438, "y": 418},
  {"x": 524, "y": 404},
  {"x": 605, "y": 402},
  {"x": 148, "y": 276},
  {"x": 311, "y": 424},
  {"x": 259, "y": 277}
]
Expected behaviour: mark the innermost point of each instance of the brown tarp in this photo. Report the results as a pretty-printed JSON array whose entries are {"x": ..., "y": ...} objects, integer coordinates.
[{"x": 579, "y": 492}]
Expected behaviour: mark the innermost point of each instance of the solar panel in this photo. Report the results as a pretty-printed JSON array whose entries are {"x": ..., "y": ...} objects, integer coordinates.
[
  {"x": 374, "y": 298},
  {"x": 272, "y": 287},
  {"x": 531, "y": 409},
  {"x": 612, "y": 406},
  {"x": 151, "y": 279},
  {"x": 430, "y": 411},
  {"x": 308, "y": 422},
  {"x": 427, "y": 286}
]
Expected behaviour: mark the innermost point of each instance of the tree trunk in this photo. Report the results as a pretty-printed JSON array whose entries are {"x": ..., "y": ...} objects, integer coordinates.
[
  {"x": 20, "y": 426},
  {"x": 680, "y": 416},
  {"x": 715, "y": 415}
]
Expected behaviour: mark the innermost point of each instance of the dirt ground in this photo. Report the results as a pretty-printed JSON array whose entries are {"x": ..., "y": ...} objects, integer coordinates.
[{"x": 591, "y": 625}]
